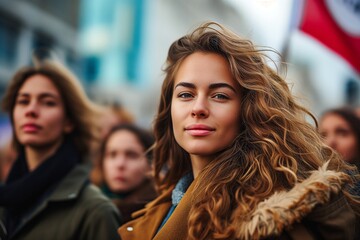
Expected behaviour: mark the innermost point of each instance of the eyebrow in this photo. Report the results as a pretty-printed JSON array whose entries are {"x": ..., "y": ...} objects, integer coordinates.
[
  {"x": 42, "y": 95},
  {"x": 212, "y": 86}
]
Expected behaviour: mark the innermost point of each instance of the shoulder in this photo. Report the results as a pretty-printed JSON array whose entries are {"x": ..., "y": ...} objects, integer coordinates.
[
  {"x": 76, "y": 189},
  {"x": 318, "y": 200},
  {"x": 83, "y": 198},
  {"x": 101, "y": 218},
  {"x": 93, "y": 193},
  {"x": 333, "y": 218},
  {"x": 338, "y": 205},
  {"x": 91, "y": 198}
]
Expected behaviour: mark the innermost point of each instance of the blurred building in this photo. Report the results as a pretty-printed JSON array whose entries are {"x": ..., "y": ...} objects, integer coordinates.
[
  {"x": 118, "y": 47},
  {"x": 125, "y": 43},
  {"x": 29, "y": 24},
  {"x": 111, "y": 41}
]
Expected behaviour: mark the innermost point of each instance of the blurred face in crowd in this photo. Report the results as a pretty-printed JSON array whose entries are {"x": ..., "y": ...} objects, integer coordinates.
[
  {"x": 39, "y": 114},
  {"x": 125, "y": 165},
  {"x": 205, "y": 108},
  {"x": 339, "y": 135}
]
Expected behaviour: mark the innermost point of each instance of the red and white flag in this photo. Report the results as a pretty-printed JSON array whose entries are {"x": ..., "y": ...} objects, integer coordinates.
[{"x": 336, "y": 24}]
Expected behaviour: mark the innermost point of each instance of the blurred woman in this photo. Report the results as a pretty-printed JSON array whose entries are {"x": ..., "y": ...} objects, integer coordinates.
[
  {"x": 340, "y": 128},
  {"x": 47, "y": 194},
  {"x": 243, "y": 161},
  {"x": 122, "y": 170}
]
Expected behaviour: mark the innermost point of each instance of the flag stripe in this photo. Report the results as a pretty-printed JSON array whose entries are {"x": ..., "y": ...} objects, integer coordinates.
[{"x": 318, "y": 22}]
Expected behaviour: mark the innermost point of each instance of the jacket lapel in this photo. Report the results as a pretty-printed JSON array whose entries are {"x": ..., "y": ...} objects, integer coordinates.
[
  {"x": 148, "y": 219},
  {"x": 176, "y": 226}
]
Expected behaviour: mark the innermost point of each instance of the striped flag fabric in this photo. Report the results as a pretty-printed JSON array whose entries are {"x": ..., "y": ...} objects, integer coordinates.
[{"x": 336, "y": 24}]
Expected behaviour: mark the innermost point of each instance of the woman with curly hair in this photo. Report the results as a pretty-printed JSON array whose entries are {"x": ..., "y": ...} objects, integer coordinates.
[{"x": 243, "y": 162}]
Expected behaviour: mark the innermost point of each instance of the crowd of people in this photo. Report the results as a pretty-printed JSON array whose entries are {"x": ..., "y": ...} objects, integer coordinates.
[{"x": 231, "y": 155}]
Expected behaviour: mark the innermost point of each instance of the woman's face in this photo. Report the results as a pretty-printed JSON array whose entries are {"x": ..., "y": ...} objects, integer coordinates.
[
  {"x": 39, "y": 114},
  {"x": 205, "y": 108},
  {"x": 339, "y": 136},
  {"x": 125, "y": 165}
]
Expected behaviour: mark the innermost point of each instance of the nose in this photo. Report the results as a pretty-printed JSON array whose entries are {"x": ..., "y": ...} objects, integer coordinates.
[
  {"x": 200, "y": 108},
  {"x": 32, "y": 109},
  {"x": 120, "y": 161}
]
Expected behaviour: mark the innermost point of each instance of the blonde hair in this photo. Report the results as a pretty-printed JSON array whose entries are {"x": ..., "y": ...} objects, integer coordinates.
[
  {"x": 78, "y": 108},
  {"x": 275, "y": 149}
]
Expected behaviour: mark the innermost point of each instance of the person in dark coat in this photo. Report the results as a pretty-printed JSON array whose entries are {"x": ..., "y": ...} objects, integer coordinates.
[
  {"x": 123, "y": 167},
  {"x": 340, "y": 128},
  {"x": 47, "y": 194}
]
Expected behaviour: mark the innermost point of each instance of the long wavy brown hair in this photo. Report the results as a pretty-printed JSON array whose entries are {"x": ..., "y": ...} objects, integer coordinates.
[
  {"x": 78, "y": 108},
  {"x": 276, "y": 147}
]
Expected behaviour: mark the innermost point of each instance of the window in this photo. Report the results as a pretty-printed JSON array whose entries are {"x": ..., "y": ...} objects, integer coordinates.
[{"x": 9, "y": 33}]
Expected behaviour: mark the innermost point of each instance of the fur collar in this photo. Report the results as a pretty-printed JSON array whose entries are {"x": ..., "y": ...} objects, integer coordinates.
[{"x": 284, "y": 208}]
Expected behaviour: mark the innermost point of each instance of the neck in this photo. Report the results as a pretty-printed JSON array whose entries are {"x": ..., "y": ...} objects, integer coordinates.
[
  {"x": 198, "y": 163},
  {"x": 37, "y": 155}
]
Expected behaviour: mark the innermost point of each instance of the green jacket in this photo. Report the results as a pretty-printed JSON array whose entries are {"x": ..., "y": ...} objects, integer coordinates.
[{"x": 76, "y": 210}]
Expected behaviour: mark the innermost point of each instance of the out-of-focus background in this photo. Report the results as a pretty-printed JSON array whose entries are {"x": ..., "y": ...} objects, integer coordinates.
[{"x": 118, "y": 47}]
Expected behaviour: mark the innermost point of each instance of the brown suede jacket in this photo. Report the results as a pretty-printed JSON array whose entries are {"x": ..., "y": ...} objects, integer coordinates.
[{"x": 313, "y": 209}]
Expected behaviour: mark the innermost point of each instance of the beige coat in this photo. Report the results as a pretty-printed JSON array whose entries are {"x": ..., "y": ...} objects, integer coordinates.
[{"x": 313, "y": 209}]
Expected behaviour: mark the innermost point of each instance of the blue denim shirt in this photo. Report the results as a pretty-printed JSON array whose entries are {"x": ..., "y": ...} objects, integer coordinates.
[{"x": 177, "y": 194}]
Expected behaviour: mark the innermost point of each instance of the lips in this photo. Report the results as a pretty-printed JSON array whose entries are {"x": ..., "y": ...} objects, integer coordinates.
[
  {"x": 199, "y": 130},
  {"x": 120, "y": 179},
  {"x": 30, "y": 127}
]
